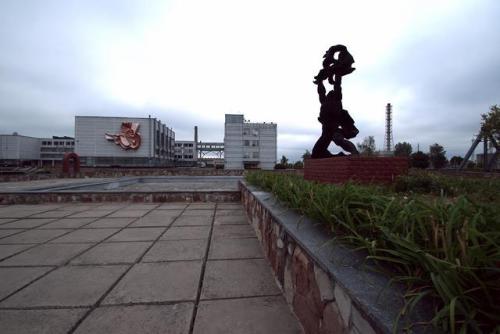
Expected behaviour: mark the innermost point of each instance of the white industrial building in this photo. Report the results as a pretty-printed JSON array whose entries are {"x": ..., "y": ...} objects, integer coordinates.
[
  {"x": 249, "y": 145},
  {"x": 52, "y": 150},
  {"x": 19, "y": 150},
  {"x": 151, "y": 142}
]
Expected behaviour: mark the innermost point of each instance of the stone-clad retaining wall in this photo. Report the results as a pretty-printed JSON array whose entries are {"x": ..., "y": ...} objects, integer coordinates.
[
  {"x": 357, "y": 168},
  {"x": 327, "y": 285},
  {"x": 122, "y": 196}
]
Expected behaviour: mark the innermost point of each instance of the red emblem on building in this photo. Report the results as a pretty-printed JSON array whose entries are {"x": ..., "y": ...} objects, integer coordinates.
[{"x": 128, "y": 138}]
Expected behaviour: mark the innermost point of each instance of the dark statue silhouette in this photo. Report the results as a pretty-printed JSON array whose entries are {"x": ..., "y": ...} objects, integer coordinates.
[{"x": 337, "y": 124}]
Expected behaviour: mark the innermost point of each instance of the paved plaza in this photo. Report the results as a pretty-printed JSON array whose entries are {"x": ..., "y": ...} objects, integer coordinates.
[{"x": 136, "y": 268}]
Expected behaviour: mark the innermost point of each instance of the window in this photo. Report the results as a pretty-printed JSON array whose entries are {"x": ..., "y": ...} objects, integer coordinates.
[
  {"x": 246, "y": 143},
  {"x": 255, "y": 143},
  {"x": 255, "y": 155}
]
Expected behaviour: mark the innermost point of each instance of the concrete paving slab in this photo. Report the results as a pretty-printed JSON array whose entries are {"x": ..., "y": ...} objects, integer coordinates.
[
  {"x": 46, "y": 255},
  {"x": 110, "y": 223},
  {"x": 85, "y": 235},
  {"x": 233, "y": 231},
  {"x": 172, "y": 206},
  {"x": 229, "y": 206},
  {"x": 185, "y": 233},
  {"x": 14, "y": 212},
  {"x": 232, "y": 212},
  {"x": 32, "y": 236},
  {"x": 163, "y": 213},
  {"x": 53, "y": 321},
  {"x": 6, "y": 220},
  {"x": 113, "y": 206},
  {"x": 151, "y": 319},
  {"x": 201, "y": 206},
  {"x": 8, "y": 250},
  {"x": 157, "y": 282},
  {"x": 238, "y": 278},
  {"x": 137, "y": 234},
  {"x": 53, "y": 214},
  {"x": 248, "y": 315},
  {"x": 95, "y": 213},
  {"x": 16, "y": 278},
  {"x": 193, "y": 221},
  {"x": 70, "y": 223},
  {"x": 26, "y": 223},
  {"x": 231, "y": 220},
  {"x": 235, "y": 249},
  {"x": 141, "y": 206},
  {"x": 128, "y": 214},
  {"x": 67, "y": 286},
  {"x": 205, "y": 213},
  {"x": 153, "y": 221},
  {"x": 111, "y": 253},
  {"x": 176, "y": 250},
  {"x": 6, "y": 233}
]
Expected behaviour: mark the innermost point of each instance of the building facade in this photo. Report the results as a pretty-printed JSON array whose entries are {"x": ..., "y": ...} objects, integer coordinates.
[
  {"x": 185, "y": 153},
  {"x": 18, "y": 150},
  {"x": 121, "y": 141},
  {"x": 249, "y": 145},
  {"x": 52, "y": 150}
]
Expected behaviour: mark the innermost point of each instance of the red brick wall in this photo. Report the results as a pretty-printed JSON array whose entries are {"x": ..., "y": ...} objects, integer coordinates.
[{"x": 358, "y": 168}]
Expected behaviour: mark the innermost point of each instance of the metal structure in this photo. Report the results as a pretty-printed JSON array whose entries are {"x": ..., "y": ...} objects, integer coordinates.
[
  {"x": 388, "y": 139},
  {"x": 487, "y": 164},
  {"x": 210, "y": 150}
]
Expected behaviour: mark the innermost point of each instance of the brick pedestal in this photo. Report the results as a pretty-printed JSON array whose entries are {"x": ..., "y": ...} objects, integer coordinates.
[{"x": 358, "y": 168}]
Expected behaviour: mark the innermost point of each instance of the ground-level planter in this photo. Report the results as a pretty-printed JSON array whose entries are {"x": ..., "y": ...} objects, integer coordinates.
[{"x": 329, "y": 287}]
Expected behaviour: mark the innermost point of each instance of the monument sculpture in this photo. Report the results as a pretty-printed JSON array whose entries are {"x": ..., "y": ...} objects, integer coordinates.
[
  {"x": 128, "y": 137},
  {"x": 337, "y": 125}
]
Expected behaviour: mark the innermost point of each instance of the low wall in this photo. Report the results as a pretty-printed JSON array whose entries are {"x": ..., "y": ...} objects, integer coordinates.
[
  {"x": 98, "y": 197},
  {"x": 357, "y": 168},
  {"x": 329, "y": 287}
]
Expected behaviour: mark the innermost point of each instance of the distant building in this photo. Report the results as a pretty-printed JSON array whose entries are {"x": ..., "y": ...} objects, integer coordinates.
[
  {"x": 18, "y": 150},
  {"x": 123, "y": 141},
  {"x": 185, "y": 153},
  {"x": 249, "y": 145},
  {"x": 480, "y": 159},
  {"x": 52, "y": 150}
]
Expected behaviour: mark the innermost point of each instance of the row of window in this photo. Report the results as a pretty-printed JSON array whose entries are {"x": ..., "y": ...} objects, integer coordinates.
[
  {"x": 254, "y": 155},
  {"x": 58, "y": 143},
  {"x": 184, "y": 144},
  {"x": 253, "y": 143},
  {"x": 186, "y": 156}
]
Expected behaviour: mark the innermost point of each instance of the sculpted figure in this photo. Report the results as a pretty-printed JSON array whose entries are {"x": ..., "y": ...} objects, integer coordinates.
[{"x": 337, "y": 124}]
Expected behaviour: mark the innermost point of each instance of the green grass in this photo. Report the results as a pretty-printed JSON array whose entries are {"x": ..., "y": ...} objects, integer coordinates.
[{"x": 445, "y": 249}]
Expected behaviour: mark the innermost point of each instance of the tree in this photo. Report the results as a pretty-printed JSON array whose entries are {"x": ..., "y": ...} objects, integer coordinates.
[
  {"x": 284, "y": 161},
  {"x": 456, "y": 160},
  {"x": 283, "y": 164},
  {"x": 306, "y": 155},
  {"x": 298, "y": 165},
  {"x": 437, "y": 156},
  {"x": 419, "y": 160},
  {"x": 403, "y": 149},
  {"x": 491, "y": 122},
  {"x": 367, "y": 147}
]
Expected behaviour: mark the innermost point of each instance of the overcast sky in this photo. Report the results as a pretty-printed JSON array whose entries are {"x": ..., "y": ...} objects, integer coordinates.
[{"x": 190, "y": 62}]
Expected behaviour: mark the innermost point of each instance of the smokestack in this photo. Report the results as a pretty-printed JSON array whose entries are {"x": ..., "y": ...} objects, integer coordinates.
[{"x": 196, "y": 134}]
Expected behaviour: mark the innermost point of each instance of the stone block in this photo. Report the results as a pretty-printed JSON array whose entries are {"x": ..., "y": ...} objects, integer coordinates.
[
  {"x": 235, "y": 249},
  {"x": 15, "y": 278},
  {"x": 186, "y": 233},
  {"x": 137, "y": 234},
  {"x": 232, "y": 231},
  {"x": 331, "y": 322},
  {"x": 360, "y": 323},
  {"x": 85, "y": 235},
  {"x": 324, "y": 283},
  {"x": 32, "y": 236},
  {"x": 344, "y": 304}
]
